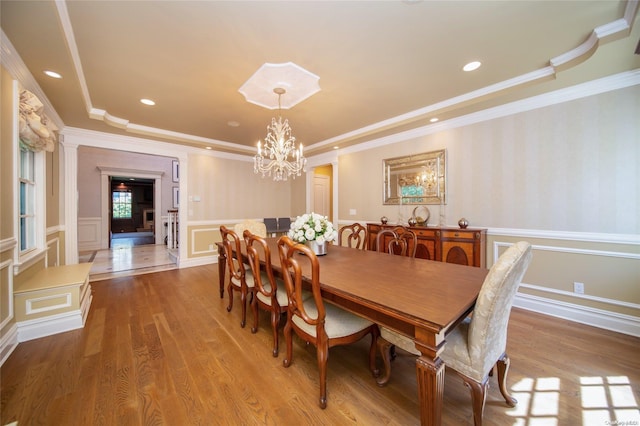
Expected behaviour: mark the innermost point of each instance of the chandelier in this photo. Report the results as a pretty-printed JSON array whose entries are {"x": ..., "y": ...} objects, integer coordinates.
[{"x": 279, "y": 157}]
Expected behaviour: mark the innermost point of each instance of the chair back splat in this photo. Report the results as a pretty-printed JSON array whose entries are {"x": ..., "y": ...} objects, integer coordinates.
[
  {"x": 323, "y": 325},
  {"x": 354, "y": 236},
  {"x": 399, "y": 240}
]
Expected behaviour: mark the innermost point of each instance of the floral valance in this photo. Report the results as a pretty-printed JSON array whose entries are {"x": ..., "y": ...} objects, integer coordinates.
[{"x": 37, "y": 132}]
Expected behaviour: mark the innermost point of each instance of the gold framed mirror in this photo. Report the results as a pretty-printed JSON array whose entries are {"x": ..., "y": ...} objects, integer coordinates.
[{"x": 415, "y": 179}]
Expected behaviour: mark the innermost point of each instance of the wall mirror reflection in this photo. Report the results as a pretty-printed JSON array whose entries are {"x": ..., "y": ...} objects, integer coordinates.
[{"x": 415, "y": 179}]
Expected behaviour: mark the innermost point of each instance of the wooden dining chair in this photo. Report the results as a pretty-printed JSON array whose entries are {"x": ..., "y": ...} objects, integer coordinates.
[
  {"x": 478, "y": 344},
  {"x": 240, "y": 275},
  {"x": 321, "y": 324},
  {"x": 354, "y": 236},
  {"x": 270, "y": 292},
  {"x": 399, "y": 240}
]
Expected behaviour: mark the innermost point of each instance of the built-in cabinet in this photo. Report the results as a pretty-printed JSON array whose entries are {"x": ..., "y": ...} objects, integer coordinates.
[{"x": 443, "y": 244}]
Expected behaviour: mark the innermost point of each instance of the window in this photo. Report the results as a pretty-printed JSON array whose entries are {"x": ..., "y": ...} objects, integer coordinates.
[
  {"x": 29, "y": 183},
  {"x": 121, "y": 204},
  {"x": 27, "y": 202},
  {"x": 30, "y": 207}
]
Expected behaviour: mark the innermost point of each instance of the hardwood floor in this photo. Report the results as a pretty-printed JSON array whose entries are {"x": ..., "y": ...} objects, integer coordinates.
[{"x": 160, "y": 348}]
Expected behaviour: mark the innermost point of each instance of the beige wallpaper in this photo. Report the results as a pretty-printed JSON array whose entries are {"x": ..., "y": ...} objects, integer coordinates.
[
  {"x": 568, "y": 167},
  {"x": 229, "y": 190},
  {"x": 7, "y": 110}
]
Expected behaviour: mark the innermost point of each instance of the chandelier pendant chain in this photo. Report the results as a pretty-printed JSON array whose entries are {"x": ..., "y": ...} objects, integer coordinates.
[{"x": 280, "y": 158}]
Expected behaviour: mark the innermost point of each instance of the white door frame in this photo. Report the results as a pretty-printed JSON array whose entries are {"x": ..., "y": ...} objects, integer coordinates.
[
  {"x": 105, "y": 193},
  {"x": 322, "y": 160}
]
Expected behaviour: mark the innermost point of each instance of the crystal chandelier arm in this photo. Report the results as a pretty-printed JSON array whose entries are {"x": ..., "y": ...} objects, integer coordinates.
[{"x": 279, "y": 145}]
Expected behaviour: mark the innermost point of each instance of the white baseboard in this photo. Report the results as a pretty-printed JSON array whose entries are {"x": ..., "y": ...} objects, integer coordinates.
[
  {"x": 53, "y": 324},
  {"x": 8, "y": 343},
  {"x": 198, "y": 261},
  {"x": 607, "y": 320}
]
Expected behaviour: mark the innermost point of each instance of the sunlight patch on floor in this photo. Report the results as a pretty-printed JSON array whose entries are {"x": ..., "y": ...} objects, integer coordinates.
[
  {"x": 608, "y": 401},
  {"x": 605, "y": 401}
]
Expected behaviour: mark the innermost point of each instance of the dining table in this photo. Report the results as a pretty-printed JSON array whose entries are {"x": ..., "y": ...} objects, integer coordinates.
[{"x": 421, "y": 299}]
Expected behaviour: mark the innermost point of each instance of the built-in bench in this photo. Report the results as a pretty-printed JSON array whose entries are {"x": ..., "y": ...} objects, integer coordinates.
[{"x": 54, "y": 300}]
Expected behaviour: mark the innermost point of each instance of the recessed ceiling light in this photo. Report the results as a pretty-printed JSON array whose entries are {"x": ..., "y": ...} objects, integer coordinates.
[
  {"x": 207, "y": 147},
  {"x": 336, "y": 147},
  {"x": 472, "y": 66},
  {"x": 434, "y": 119},
  {"x": 147, "y": 102},
  {"x": 52, "y": 74}
]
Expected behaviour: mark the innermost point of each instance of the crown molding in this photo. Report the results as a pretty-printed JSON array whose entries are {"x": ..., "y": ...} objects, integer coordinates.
[
  {"x": 83, "y": 137},
  {"x": 154, "y": 147},
  {"x": 12, "y": 61},
  {"x": 595, "y": 87},
  {"x": 599, "y": 36},
  {"x": 65, "y": 23}
]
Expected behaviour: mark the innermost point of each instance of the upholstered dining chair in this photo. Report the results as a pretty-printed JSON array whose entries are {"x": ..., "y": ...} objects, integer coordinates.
[
  {"x": 479, "y": 343},
  {"x": 354, "y": 236},
  {"x": 240, "y": 275},
  {"x": 270, "y": 292},
  {"x": 398, "y": 240},
  {"x": 314, "y": 321},
  {"x": 256, "y": 228},
  {"x": 271, "y": 223},
  {"x": 284, "y": 224}
]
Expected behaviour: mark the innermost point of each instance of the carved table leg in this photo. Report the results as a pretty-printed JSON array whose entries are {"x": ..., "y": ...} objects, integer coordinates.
[
  {"x": 222, "y": 263},
  {"x": 385, "y": 351},
  {"x": 430, "y": 389}
]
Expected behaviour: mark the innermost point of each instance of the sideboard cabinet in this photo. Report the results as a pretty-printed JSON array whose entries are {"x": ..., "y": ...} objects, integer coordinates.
[{"x": 443, "y": 244}]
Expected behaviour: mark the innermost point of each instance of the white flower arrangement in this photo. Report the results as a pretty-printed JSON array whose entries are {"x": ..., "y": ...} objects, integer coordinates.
[{"x": 310, "y": 227}]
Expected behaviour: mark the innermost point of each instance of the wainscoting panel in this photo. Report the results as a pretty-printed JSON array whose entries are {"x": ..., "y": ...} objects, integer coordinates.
[
  {"x": 8, "y": 328},
  {"x": 607, "y": 269},
  {"x": 89, "y": 233},
  {"x": 6, "y": 293}
]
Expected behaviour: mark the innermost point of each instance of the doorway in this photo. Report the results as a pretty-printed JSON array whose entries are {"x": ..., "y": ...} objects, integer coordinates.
[
  {"x": 108, "y": 175},
  {"x": 322, "y": 202},
  {"x": 131, "y": 212},
  {"x": 133, "y": 238}
]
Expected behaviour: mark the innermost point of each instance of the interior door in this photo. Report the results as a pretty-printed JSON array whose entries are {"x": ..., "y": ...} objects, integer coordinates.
[{"x": 321, "y": 195}]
